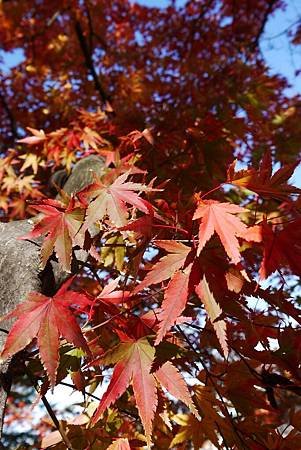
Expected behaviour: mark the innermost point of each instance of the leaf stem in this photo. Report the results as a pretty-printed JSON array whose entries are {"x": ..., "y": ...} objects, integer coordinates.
[
  {"x": 50, "y": 411},
  {"x": 212, "y": 190}
]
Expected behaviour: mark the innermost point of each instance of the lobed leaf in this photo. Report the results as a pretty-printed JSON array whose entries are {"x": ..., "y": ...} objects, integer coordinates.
[
  {"x": 175, "y": 298},
  {"x": 47, "y": 319},
  {"x": 167, "y": 265},
  {"x": 218, "y": 218},
  {"x": 214, "y": 311}
]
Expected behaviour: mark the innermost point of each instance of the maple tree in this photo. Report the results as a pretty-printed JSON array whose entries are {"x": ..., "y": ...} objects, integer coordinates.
[{"x": 181, "y": 254}]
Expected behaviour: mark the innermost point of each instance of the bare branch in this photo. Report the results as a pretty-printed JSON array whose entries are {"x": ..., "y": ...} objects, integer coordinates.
[
  {"x": 267, "y": 13},
  {"x": 89, "y": 63},
  {"x": 9, "y": 113}
]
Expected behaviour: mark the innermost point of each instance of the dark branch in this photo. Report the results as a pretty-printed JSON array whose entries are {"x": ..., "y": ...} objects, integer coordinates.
[
  {"x": 10, "y": 116},
  {"x": 89, "y": 62},
  {"x": 50, "y": 411},
  {"x": 267, "y": 13},
  {"x": 92, "y": 31}
]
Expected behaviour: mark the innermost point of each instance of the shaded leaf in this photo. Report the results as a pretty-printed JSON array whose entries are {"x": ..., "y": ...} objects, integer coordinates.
[
  {"x": 281, "y": 248},
  {"x": 214, "y": 311},
  {"x": 262, "y": 181}
]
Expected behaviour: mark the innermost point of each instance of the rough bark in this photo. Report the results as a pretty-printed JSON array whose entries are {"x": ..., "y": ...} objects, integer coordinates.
[
  {"x": 20, "y": 267},
  {"x": 19, "y": 274}
]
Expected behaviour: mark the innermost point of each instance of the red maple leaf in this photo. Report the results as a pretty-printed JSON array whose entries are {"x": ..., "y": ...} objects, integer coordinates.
[
  {"x": 281, "y": 248},
  {"x": 175, "y": 299},
  {"x": 218, "y": 217},
  {"x": 176, "y": 293},
  {"x": 47, "y": 319},
  {"x": 167, "y": 265},
  {"x": 110, "y": 199},
  {"x": 112, "y": 296},
  {"x": 262, "y": 181},
  {"x": 61, "y": 224},
  {"x": 134, "y": 359}
]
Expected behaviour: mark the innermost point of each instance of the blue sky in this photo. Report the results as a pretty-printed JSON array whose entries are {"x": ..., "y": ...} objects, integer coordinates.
[{"x": 279, "y": 54}]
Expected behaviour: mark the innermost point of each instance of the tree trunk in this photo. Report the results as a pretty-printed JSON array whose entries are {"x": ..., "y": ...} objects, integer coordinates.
[
  {"x": 20, "y": 267},
  {"x": 19, "y": 275}
]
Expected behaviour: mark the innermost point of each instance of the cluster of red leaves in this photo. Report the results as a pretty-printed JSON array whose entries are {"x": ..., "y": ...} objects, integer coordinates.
[
  {"x": 110, "y": 206},
  {"x": 188, "y": 283}
]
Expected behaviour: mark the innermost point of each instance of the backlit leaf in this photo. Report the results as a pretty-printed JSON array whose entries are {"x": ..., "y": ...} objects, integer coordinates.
[
  {"x": 214, "y": 311},
  {"x": 219, "y": 218},
  {"x": 134, "y": 366},
  {"x": 175, "y": 298},
  {"x": 120, "y": 444},
  {"x": 61, "y": 225},
  {"x": 47, "y": 319},
  {"x": 111, "y": 200},
  {"x": 167, "y": 265}
]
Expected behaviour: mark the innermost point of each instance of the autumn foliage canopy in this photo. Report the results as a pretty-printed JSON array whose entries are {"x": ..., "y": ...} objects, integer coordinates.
[{"x": 184, "y": 307}]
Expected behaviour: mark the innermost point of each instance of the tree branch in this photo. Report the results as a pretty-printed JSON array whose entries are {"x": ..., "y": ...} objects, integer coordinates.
[
  {"x": 92, "y": 32},
  {"x": 10, "y": 116},
  {"x": 50, "y": 411},
  {"x": 267, "y": 13},
  {"x": 89, "y": 63}
]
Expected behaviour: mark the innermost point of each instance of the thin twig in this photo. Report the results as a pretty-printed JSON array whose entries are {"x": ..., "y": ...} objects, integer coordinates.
[
  {"x": 214, "y": 385},
  {"x": 275, "y": 36},
  {"x": 72, "y": 386},
  {"x": 267, "y": 13},
  {"x": 50, "y": 412}
]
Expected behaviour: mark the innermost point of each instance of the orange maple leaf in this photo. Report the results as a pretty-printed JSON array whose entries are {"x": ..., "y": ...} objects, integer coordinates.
[
  {"x": 214, "y": 311},
  {"x": 175, "y": 299},
  {"x": 61, "y": 224},
  {"x": 263, "y": 181},
  {"x": 218, "y": 217},
  {"x": 167, "y": 265},
  {"x": 38, "y": 136}
]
